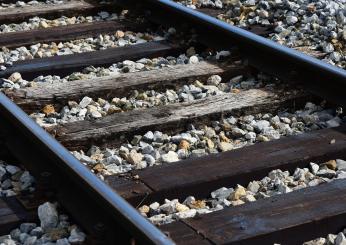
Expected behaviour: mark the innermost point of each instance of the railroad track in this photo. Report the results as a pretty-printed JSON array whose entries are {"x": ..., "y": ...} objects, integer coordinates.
[{"x": 164, "y": 130}]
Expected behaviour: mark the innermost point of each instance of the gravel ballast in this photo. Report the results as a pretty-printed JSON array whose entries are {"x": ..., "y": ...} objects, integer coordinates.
[
  {"x": 16, "y": 81},
  {"x": 89, "y": 109},
  {"x": 101, "y": 42},
  {"x": 306, "y": 25},
  {"x": 155, "y": 147},
  {"x": 21, "y": 4},
  {"x": 43, "y": 23},
  {"x": 14, "y": 180},
  {"x": 54, "y": 228},
  {"x": 275, "y": 183}
]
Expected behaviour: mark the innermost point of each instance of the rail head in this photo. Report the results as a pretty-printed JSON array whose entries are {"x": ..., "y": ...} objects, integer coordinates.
[
  {"x": 287, "y": 64},
  {"x": 34, "y": 146}
]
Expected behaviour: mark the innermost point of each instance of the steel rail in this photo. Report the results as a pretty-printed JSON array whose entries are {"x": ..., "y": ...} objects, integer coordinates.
[
  {"x": 287, "y": 64},
  {"x": 80, "y": 188}
]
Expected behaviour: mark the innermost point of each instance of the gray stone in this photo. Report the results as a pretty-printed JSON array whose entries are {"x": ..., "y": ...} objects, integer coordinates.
[
  {"x": 328, "y": 48},
  {"x": 36, "y": 232},
  {"x": 161, "y": 219},
  {"x": 182, "y": 153},
  {"x": 158, "y": 137},
  {"x": 2, "y": 173},
  {"x": 315, "y": 182},
  {"x": 149, "y": 136},
  {"x": 282, "y": 188},
  {"x": 299, "y": 174},
  {"x": 76, "y": 236},
  {"x": 185, "y": 214},
  {"x": 23, "y": 237},
  {"x": 26, "y": 180},
  {"x": 12, "y": 169},
  {"x": 14, "y": 234},
  {"x": 340, "y": 239},
  {"x": 30, "y": 240},
  {"x": 48, "y": 216},
  {"x": 232, "y": 120},
  {"x": 63, "y": 241},
  {"x": 6, "y": 184},
  {"x": 136, "y": 139},
  {"x": 250, "y": 136},
  {"x": 259, "y": 126},
  {"x": 95, "y": 114},
  {"x": 27, "y": 227},
  {"x": 291, "y": 20},
  {"x": 5, "y": 237},
  {"x": 314, "y": 167},
  {"x": 341, "y": 164},
  {"x": 85, "y": 102},
  {"x": 222, "y": 193},
  {"x": 149, "y": 159},
  {"x": 335, "y": 122},
  {"x": 148, "y": 149},
  {"x": 113, "y": 160},
  {"x": 8, "y": 242},
  {"x": 214, "y": 80},
  {"x": 198, "y": 153},
  {"x": 318, "y": 241},
  {"x": 237, "y": 132},
  {"x": 209, "y": 132},
  {"x": 168, "y": 208},
  {"x": 189, "y": 200},
  {"x": 141, "y": 165},
  {"x": 253, "y": 186},
  {"x": 326, "y": 173},
  {"x": 341, "y": 174},
  {"x": 271, "y": 133}
]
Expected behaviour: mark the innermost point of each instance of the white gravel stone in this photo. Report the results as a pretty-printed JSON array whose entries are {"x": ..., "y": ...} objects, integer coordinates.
[
  {"x": 341, "y": 164},
  {"x": 56, "y": 229},
  {"x": 340, "y": 239},
  {"x": 171, "y": 156},
  {"x": 309, "y": 26},
  {"x": 85, "y": 102},
  {"x": 214, "y": 80},
  {"x": 193, "y": 60},
  {"x": 185, "y": 214},
  {"x": 253, "y": 187},
  {"x": 277, "y": 182},
  {"x": 101, "y": 42},
  {"x": 314, "y": 167}
]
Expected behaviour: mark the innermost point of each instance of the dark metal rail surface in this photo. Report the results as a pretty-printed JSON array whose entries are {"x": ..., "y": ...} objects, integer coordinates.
[
  {"x": 287, "y": 64},
  {"x": 75, "y": 185},
  {"x": 90, "y": 199}
]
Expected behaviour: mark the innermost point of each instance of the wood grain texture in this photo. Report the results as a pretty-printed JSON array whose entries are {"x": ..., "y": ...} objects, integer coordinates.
[
  {"x": 35, "y": 98},
  {"x": 65, "y": 33},
  {"x": 172, "y": 117},
  {"x": 238, "y": 166},
  {"x": 183, "y": 234},
  {"x": 12, "y": 214},
  {"x": 66, "y": 64},
  {"x": 291, "y": 218},
  {"x": 70, "y": 8}
]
